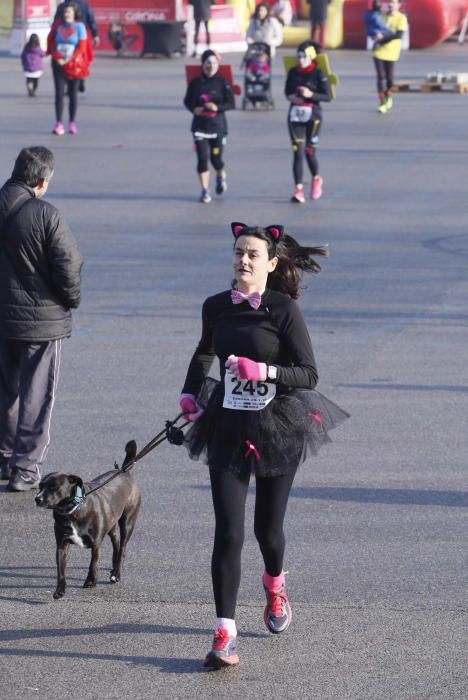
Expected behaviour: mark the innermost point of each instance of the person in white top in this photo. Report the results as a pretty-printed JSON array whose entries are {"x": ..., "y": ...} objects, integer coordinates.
[{"x": 264, "y": 27}]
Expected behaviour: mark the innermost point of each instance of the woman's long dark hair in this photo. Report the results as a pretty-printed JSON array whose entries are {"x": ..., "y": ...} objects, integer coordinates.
[
  {"x": 267, "y": 8},
  {"x": 293, "y": 260}
]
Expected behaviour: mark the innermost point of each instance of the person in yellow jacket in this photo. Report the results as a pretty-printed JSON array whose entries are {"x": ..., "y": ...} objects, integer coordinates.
[{"x": 386, "y": 53}]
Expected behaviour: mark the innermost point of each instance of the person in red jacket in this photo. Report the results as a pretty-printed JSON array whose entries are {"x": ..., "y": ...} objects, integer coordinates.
[{"x": 67, "y": 44}]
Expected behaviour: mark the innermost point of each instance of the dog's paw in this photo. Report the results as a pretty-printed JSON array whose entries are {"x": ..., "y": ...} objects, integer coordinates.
[
  {"x": 89, "y": 583},
  {"x": 114, "y": 577},
  {"x": 59, "y": 592}
]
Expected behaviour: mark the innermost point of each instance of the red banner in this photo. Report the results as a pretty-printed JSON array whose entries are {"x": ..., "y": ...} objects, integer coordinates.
[
  {"x": 124, "y": 16},
  {"x": 37, "y": 9}
]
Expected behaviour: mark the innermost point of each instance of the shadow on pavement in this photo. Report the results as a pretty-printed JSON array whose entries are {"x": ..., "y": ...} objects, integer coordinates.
[
  {"x": 166, "y": 665},
  {"x": 407, "y": 497},
  {"x": 455, "y": 499},
  {"x": 408, "y": 387}
]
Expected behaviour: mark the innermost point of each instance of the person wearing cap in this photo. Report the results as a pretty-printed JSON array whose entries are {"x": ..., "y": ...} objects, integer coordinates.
[
  {"x": 306, "y": 88},
  {"x": 208, "y": 97}
]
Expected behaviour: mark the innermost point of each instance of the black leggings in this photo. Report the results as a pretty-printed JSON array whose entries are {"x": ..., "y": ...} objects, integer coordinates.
[
  {"x": 229, "y": 493},
  {"x": 32, "y": 84},
  {"x": 385, "y": 75},
  {"x": 60, "y": 82},
  {"x": 304, "y": 139},
  {"x": 209, "y": 149},
  {"x": 206, "y": 22}
]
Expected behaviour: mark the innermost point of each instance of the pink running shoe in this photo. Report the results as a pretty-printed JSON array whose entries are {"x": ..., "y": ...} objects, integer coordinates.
[
  {"x": 298, "y": 195},
  {"x": 277, "y": 613},
  {"x": 316, "y": 187},
  {"x": 58, "y": 129},
  {"x": 223, "y": 652},
  {"x": 72, "y": 129}
]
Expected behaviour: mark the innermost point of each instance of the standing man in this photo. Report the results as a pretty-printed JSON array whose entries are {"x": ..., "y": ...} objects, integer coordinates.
[
  {"x": 40, "y": 269},
  {"x": 386, "y": 53},
  {"x": 83, "y": 13}
]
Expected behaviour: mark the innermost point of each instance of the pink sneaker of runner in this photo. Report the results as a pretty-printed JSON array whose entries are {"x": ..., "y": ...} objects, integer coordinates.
[
  {"x": 298, "y": 195},
  {"x": 316, "y": 187},
  {"x": 223, "y": 652}
]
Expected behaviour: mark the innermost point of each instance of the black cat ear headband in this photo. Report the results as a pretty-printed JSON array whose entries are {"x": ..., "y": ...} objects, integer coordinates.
[{"x": 276, "y": 231}]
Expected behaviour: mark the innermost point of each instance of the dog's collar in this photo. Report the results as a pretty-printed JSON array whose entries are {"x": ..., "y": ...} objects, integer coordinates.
[{"x": 70, "y": 505}]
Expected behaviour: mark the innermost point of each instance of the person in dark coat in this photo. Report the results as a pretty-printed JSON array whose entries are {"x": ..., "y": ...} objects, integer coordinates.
[
  {"x": 318, "y": 19},
  {"x": 201, "y": 13},
  {"x": 208, "y": 97},
  {"x": 40, "y": 277}
]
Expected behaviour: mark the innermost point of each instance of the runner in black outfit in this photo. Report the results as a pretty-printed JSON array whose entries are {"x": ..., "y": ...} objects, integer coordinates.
[
  {"x": 306, "y": 88},
  {"x": 263, "y": 417},
  {"x": 208, "y": 97}
]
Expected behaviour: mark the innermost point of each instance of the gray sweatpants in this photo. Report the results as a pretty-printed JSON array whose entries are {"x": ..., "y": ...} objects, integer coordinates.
[{"x": 28, "y": 382}]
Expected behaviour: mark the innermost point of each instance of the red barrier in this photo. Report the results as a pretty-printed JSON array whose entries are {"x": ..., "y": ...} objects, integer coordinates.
[{"x": 431, "y": 21}]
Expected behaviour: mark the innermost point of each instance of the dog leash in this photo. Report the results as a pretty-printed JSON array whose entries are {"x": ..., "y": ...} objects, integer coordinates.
[{"x": 172, "y": 433}]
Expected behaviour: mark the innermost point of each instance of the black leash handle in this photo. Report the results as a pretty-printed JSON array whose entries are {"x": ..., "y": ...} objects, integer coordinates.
[{"x": 166, "y": 434}]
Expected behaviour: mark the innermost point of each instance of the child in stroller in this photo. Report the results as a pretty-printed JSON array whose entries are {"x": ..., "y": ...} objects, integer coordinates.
[{"x": 257, "y": 77}]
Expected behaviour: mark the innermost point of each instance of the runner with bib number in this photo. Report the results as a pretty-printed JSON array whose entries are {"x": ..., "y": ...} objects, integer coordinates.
[
  {"x": 264, "y": 417},
  {"x": 306, "y": 88}
]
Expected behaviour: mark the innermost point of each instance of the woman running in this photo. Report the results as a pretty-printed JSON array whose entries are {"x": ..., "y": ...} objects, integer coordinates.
[
  {"x": 208, "y": 97},
  {"x": 263, "y": 417},
  {"x": 306, "y": 88}
]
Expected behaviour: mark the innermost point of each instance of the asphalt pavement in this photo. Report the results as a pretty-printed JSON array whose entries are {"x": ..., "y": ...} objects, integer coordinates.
[{"x": 376, "y": 525}]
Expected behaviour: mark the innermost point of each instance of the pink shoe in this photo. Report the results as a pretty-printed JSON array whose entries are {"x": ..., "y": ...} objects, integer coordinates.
[
  {"x": 298, "y": 195},
  {"x": 58, "y": 129},
  {"x": 316, "y": 187},
  {"x": 72, "y": 128}
]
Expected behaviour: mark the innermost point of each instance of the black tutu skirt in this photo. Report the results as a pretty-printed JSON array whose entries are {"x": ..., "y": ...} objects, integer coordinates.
[{"x": 269, "y": 442}]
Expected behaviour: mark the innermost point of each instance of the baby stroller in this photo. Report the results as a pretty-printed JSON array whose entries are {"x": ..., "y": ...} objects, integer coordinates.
[{"x": 257, "y": 77}]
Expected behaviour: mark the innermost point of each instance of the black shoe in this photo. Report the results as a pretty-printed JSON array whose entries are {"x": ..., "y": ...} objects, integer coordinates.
[
  {"x": 21, "y": 481},
  {"x": 221, "y": 184}
]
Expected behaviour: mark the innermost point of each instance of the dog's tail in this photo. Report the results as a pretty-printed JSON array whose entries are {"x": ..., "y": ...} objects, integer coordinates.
[{"x": 130, "y": 453}]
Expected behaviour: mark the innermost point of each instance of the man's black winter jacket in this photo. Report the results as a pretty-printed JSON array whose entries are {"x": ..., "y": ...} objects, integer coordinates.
[{"x": 39, "y": 268}]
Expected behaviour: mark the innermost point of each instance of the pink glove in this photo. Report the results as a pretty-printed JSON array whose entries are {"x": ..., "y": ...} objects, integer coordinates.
[
  {"x": 244, "y": 368},
  {"x": 190, "y": 408}
]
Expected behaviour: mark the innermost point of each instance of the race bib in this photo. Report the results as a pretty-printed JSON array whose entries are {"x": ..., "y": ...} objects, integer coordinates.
[
  {"x": 300, "y": 113},
  {"x": 66, "y": 50},
  {"x": 246, "y": 395}
]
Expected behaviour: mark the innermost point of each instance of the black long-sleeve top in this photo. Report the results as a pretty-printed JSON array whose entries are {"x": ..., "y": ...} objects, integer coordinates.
[
  {"x": 274, "y": 333},
  {"x": 316, "y": 81},
  {"x": 215, "y": 89}
]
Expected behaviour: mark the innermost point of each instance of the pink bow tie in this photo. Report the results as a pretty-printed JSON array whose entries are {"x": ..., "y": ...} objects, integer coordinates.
[{"x": 254, "y": 299}]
